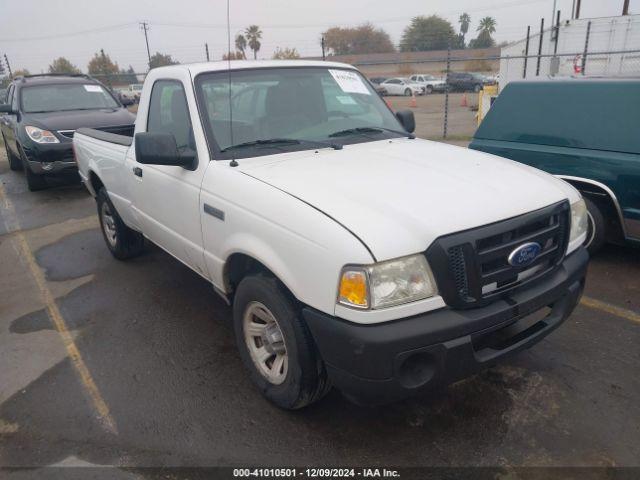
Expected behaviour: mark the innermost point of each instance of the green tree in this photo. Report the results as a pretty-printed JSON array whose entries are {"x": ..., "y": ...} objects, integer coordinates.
[
  {"x": 161, "y": 60},
  {"x": 285, "y": 54},
  {"x": 464, "y": 21},
  {"x": 62, "y": 65},
  {"x": 486, "y": 27},
  {"x": 233, "y": 56},
  {"x": 21, "y": 72},
  {"x": 484, "y": 40},
  {"x": 487, "y": 24},
  {"x": 103, "y": 68},
  {"x": 426, "y": 33},
  {"x": 241, "y": 45},
  {"x": 128, "y": 76},
  {"x": 363, "y": 39},
  {"x": 254, "y": 35}
]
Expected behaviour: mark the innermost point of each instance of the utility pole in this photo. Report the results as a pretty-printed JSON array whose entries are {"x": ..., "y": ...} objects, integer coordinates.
[
  {"x": 625, "y": 8},
  {"x": 6, "y": 60},
  {"x": 553, "y": 14},
  {"x": 322, "y": 43},
  {"x": 578, "y": 2},
  {"x": 206, "y": 48},
  {"x": 145, "y": 27}
]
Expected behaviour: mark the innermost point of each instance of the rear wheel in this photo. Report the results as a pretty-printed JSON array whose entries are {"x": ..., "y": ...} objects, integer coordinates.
[
  {"x": 122, "y": 242},
  {"x": 477, "y": 88},
  {"x": 15, "y": 163},
  {"x": 407, "y": 92},
  {"x": 597, "y": 227},
  {"x": 275, "y": 344}
]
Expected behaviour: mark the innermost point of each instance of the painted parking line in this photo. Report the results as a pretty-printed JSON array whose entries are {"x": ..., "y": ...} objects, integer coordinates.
[
  {"x": 12, "y": 225},
  {"x": 611, "y": 309}
]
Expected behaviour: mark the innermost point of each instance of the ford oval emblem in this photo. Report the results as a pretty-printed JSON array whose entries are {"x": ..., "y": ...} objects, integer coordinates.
[{"x": 525, "y": 254}]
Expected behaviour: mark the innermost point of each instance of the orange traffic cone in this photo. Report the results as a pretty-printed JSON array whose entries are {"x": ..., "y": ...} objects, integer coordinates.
[
  {"x": 464, "y": 103},
  {"x": 414, "y": 103}
]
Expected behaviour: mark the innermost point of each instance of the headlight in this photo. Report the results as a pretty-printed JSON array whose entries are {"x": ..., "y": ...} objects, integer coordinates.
[
  {"x": 579, "y": 221},
  {"x": 41, "y": 136},
  {"x": 386, "y": 284}
]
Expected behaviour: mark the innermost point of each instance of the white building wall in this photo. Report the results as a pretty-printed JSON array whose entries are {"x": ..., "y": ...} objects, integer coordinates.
[{"x": 608, "y": 34}]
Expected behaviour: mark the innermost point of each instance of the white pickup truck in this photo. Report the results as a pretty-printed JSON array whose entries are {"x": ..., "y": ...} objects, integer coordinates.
[{"x": 353, "y": 253}]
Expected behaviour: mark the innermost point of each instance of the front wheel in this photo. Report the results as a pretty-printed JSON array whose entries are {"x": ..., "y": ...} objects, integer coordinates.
[
  {"x": 407, "y": 92},
  {"x": 597, "y": 227},
  {"x": 122, "y": 242},
  {"x": 275, "y": 344},
  {"x": 15, "y": 162},
  {"x": 34, "y": 182},
  {"x": 429, "y": 89}
]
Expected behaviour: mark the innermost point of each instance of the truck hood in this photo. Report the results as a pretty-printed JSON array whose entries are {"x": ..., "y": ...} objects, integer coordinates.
[
  {"x": 399, "y": 196},
  {"x": 74, "y": 119}
]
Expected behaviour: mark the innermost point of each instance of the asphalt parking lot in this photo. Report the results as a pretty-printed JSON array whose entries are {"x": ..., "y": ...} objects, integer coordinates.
[{"x": 134, "y": 364}]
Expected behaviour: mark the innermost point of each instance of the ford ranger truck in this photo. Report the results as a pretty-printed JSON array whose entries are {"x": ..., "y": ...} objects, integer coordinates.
[{"x": 353, "y": 254}]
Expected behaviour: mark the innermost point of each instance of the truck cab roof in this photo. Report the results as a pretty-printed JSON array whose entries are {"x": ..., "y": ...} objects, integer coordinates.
[{"x": 221, "y": 66}]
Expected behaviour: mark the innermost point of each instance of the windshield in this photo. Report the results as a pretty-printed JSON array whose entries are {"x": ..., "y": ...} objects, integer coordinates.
[
  {"x": 310, "y": 105},
  {"x": 56, "y": 98}
]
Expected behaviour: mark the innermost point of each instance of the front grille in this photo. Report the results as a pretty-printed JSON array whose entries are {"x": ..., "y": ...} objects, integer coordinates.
[{"x": 472, "y": 267}]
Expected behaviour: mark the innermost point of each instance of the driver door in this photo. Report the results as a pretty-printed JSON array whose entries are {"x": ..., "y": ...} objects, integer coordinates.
[{"x": 166, "y": 199}]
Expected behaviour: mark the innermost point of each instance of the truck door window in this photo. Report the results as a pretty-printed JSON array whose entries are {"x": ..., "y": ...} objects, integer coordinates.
[{"x": 169, "y": 113}]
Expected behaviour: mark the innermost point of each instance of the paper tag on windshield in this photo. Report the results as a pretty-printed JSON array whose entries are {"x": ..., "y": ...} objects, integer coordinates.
[
  {"x": 346, "y": 100},
  {"x": 93, "y": 88},
  {"x": 349, "y": 82}
]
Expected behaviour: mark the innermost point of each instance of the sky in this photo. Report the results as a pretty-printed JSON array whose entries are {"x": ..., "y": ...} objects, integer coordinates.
[{"x": 34, "y": 32}]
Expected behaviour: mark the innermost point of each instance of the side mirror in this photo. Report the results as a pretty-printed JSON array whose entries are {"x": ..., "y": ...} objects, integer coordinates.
[
  {"x": 5, "y": 108},
  {"x": 408, "y": 121},
  {"x": 161, "y": 149}
]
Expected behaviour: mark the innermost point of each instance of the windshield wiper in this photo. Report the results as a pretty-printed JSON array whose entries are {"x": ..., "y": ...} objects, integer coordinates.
[
  {"x": 365, "y": 130},
  {"x": 275, "y": 142}
]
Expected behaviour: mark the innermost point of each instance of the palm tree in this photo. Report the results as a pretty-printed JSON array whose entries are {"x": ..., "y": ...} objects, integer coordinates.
[
  {"x": 464, "y": 22},
  {"x": 488, "y": 25},
  {"x": 241, "y": 44},
  {"x": 253, "y": 34}
]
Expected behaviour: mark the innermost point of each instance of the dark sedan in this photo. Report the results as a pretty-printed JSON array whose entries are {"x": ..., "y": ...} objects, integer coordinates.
[{"x": 41, "y": 114}]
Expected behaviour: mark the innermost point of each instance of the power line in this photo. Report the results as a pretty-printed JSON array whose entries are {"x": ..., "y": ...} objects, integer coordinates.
[{"x": 69, "y": 34}]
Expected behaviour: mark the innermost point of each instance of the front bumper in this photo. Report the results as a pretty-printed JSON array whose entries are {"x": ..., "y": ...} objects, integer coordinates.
[
  {"x": 376, "y": 364},
  {"x": 49, "y": 158}
]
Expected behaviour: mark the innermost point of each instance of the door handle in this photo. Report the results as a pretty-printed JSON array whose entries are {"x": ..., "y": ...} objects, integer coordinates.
[{"x": 137, "y": 171}]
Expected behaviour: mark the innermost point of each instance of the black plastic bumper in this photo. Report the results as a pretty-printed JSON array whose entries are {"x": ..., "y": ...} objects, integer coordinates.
[
  {"x": 375, "y": 364},
  {"x": 49, "y": 158}
]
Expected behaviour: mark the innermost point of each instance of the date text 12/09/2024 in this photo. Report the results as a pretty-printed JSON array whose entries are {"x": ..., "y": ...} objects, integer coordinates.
[{"x": 315, "y": 473}]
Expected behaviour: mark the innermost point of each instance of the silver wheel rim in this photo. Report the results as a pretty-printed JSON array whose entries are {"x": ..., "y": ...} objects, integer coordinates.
[
  {"x": 265, "y": 343},
  {"x": 109, "y": 224},
  {"x": 592, "y": 226}
]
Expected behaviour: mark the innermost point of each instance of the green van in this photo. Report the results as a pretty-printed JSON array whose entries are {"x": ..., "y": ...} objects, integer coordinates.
[{"x": 585, "y": 131}]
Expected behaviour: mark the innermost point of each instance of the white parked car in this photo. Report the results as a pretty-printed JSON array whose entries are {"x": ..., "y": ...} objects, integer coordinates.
[
  {"x": 430, "y": 83},
  {"x": 402, "y": 86},
  {"x": 353, "y": 254}
]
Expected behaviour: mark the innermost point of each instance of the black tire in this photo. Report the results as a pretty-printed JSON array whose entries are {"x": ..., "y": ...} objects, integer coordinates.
[
  {"x": 306, "y": 379},
  {"x": 407, "y": 92},
  {"x": 127, "y": 242},
  {"x": 34, "y": 182},
  {"x": 597, "y": 231},
  {"x": 477, "y": 88},
  {"x": 15, "y": 162},
  {"x": 429, "y": 89}
]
